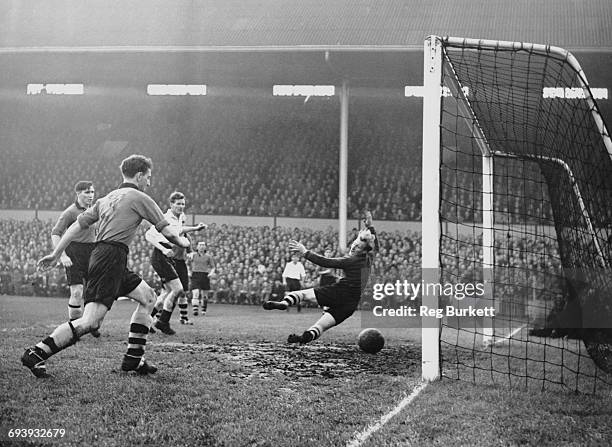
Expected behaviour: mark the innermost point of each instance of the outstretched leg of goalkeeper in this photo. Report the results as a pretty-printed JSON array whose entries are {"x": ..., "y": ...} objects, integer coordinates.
[
  {"x": 327, "y": 321},
  {"x": 324, "y": 323},
  {"x": 292, "y": 299}
]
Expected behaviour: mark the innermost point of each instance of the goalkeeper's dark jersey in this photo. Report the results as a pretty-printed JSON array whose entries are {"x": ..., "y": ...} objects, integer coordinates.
[{"x": 356, "y": 268}]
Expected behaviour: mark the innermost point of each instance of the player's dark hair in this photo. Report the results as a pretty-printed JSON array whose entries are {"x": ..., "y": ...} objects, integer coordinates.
[
  {"x": 176, "y": 196},
  {"x": 82, "y": 185},
  {"x": 135, "y": 164}
]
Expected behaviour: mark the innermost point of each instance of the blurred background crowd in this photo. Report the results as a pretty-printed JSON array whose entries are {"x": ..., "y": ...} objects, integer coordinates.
[
  {"x": 250, "y": 260},
  {"x": 249, "y": 156}
]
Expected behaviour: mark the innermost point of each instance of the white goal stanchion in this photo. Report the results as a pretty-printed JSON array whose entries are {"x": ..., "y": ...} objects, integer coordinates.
[{"x": 430, "y": 233}]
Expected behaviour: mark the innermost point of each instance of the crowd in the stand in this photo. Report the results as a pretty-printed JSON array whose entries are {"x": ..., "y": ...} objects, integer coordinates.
[
  {"x": 256, "y": 158},
  {"x": 21, "y": 245},
  {"x": 250, "y": 260}
]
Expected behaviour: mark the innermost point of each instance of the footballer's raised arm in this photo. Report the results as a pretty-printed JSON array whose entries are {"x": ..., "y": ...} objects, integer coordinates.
[
  {"x": 298, "y": 247},
  {"x": 336, "y": 263},
  {"x": 172, "y": 234}
]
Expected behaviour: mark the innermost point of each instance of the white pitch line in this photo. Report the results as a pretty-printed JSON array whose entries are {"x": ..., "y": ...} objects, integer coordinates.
[{"x": 364, "y": 435}]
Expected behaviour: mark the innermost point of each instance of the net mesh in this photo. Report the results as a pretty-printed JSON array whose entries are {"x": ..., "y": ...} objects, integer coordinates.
[{"x": 551, "y": 237}]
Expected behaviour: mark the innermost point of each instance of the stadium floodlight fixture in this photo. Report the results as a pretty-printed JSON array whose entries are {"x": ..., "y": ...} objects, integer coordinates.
[
  {"x": 416, "y": 91},
  {"x": 574, "y": 93},
  {"x": 55, "y": 89},
  {"x": 177, "y": 90},
  {"x": 303, "y": 90}
]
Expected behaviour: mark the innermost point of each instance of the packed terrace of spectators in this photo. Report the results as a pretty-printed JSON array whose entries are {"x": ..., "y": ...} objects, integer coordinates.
[
  {"x": 249, "y": 157},
  {"x": 250, "y": 260},
  {"x": 254, "y": 157}
]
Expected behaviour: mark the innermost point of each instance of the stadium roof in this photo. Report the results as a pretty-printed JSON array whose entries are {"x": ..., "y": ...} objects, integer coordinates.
[
  {"x": 253, "y": 43},
  {"x": 572, "y": 24}
]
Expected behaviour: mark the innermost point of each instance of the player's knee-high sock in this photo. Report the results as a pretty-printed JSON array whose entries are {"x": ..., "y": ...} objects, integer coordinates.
[
  {"x": 324, "y": 323},
  {"x": 159, "y": 303},
  {"x": 292, "y": 298},
  {"x": 169, "y": 303},
  {"x": 170, "y": 300},
  {"x": 204, "y": 301},
  {"x": 139, "y": 329},
  {"x": 63, "y": 336},
  {"x": 315, "y": 331},
  {"x": 195, "y": 301},
  {"x": 182, "y": 304}
]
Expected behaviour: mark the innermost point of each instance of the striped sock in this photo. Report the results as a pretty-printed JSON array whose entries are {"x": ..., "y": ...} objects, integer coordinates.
[
  {"x": 136, "y": 343},
  {"x": 183, "y": 306},
  {"x": 183, "y": 312},
  {"x": 311, "y": 334},
  {"x": 46, "y": 348},
  {"x": 292, "y": 299},
  {"x": 159, "y": 303},
  {"x": 64, "y": 335}
]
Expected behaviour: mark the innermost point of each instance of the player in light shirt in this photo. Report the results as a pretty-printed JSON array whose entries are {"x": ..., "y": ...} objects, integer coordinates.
[{"x": 169, "y": 263}]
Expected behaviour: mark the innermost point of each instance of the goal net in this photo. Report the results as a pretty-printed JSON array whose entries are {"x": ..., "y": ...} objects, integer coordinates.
[{"x": 517, "y": 197}]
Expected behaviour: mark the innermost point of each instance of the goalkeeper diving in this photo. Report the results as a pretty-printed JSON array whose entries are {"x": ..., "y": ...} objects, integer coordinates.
[{"x": 339, "y": 300}]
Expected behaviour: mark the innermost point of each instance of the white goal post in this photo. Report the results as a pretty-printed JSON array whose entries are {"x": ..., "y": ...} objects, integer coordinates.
[{"x": 435, "y": 69}]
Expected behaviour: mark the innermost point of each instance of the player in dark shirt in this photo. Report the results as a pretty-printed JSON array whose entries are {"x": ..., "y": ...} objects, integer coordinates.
[
  {"x": 340, "y": 299},
  {"x": 202, "y": 265},
  {"x": 76, "y": 257},
  {"x": 118, "y": 214}
]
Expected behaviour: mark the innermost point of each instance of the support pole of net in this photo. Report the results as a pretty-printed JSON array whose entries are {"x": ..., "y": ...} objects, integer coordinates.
[{"x": 343, "y": 168}]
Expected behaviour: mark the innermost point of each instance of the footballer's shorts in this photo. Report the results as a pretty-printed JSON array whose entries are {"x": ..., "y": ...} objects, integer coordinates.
[
  {"x": 341, "y": 301},
  {"x": 183, "y": 273},
  {"x": 108, "y": 277},
  {"x": 79, "y": 253},
  {"x": 200, "y": 280},
  {"x": 163, "y": 266}
]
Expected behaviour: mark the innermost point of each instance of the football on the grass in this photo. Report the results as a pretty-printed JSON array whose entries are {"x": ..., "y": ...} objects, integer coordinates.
[{"x": 371, "y": 340}]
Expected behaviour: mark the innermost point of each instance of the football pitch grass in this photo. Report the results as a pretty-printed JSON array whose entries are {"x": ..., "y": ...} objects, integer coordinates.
[{"x": 232, "y": 380}]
